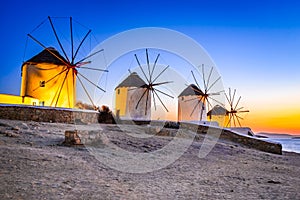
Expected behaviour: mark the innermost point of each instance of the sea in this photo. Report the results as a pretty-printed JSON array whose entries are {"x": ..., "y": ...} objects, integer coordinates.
[{"x": 288, "y": 144}]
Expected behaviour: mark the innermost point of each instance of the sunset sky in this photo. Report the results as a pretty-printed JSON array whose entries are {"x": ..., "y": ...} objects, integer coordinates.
[{"x": 255, "y": 44}]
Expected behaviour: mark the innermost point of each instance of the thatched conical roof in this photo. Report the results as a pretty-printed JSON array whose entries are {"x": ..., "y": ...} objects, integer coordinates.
[
  {"x": 46, "y": 57},
  {"x": 133, "y": 80},
  {"x": 217, "y": 110},
  {"x": 190, "y": 91}
]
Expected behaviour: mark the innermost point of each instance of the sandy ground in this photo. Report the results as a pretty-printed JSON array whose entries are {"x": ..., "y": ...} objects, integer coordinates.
[{"x": 35, "y": 165}]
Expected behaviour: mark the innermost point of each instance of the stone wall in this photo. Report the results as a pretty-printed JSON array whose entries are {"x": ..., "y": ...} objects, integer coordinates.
[
  {"x": 47, "y": 114},
  {"x": 249, "y": 141}
]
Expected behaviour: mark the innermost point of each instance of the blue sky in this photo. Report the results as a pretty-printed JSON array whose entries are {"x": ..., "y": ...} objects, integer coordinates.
[{"x": 255, "y": 44}]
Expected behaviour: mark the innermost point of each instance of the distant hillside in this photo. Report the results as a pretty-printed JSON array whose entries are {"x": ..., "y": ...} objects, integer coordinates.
[{"x": 277, "y": 135}]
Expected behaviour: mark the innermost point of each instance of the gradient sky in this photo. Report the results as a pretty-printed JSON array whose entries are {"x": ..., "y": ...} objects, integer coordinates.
[{"x": 255, "y": 44}]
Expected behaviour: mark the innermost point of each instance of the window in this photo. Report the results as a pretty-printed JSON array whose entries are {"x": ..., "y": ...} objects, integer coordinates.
[
  {"x": 118, "y": 91},
  {"x": 42, "y": 83}
]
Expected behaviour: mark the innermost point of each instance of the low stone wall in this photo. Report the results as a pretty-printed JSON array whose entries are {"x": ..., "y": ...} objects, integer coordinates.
[
  {"x": 47, "y": 114},
  {"x": 249, "y": 141}
]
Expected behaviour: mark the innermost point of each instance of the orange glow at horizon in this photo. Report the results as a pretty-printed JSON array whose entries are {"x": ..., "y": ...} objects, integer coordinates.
[{"x": 274, "y": 121}]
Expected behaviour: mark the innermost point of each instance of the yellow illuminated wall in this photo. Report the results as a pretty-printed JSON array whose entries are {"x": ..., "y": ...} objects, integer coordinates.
[
  {"x": 221, "y": 119},
  {"x": 53, "y": 85},
  {"x": 121, "y": 99},
  {"x": 12, "y": 99}
]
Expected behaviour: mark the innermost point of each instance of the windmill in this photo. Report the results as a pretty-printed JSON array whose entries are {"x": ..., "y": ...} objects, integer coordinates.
[
  {"x": 54, "y": 73},
  {"x": 204, "y": 97},
  {"x": 234, "y": 111},
  {"x": 151, "y": 85}
]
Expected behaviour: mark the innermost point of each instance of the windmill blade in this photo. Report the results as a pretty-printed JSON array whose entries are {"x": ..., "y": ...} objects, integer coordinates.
[
  {"x": 162, "y": 83},
  {"x": 91, "y": 82},
  {"x": 154, "y": 100},
  {"x": 239, "y": 108},
  {"x": 237, "y": 119},
  {"x": 160, "y": 73},
  {"x": 233, "y": 116},
  {"x": 237, "y": 103},
  {"x": 216, "y": 93},
  {"x": 148, "y": 64},
  {"x": 208, "y": 103},
  {"x": 216, "y": 101},
  {"x": 193, "y": 99},
  {"x": 203, "y": 77},
  {"x": 214, "y": 83},
  {"x": 229, "y": 101},
  {"x": 160, "y": 100},
  {"x": 52, "y": 78},
  {"x": 198, "y": 102},
  {"x": 91, "y": 55},
  {"x": 85, "y": 90},
  {"x": 100, "y": 70},
  {"x": 72, "y": 41},
  {"x": 56, "y": 56},
  {"x": 137, "y": 60},
  {"x": 229, "y": 122},
  {"x": 195, "y": 79},
  {"x": 141, "y": 98},
  {"x": 57, "y": 38},
  {"x": 62, "y": 85},
  {"x": 209, "y": 76},
  {"x": 197, "y": 90},
  {"x": 146, "y": 101},
  {"x": 164, "y": 93},
  {"x": 154, "y": 66},
  {"x": 243, "y": 111},
  {"x": 233, "y": 98},
  {"x": 77, "y": 50}
]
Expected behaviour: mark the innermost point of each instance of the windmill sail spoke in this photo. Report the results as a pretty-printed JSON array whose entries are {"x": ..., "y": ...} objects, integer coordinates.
[
  {"x": 62, "y": 85},
  {"x": 141, "y": 98},
  {"x": 216, "y": 101},
  {"x": 91, "y": 82},
  {"x": 162, "y": 83},
  {"x": 72, "y": 42},
  {"x": 239, "y": 108},
  {"x": 147, "y": 97},
  {"x": 239, "y": 117},
  {"x": 209, "y": 76},
  {"x": 51, "y": 78},
  {"x": 163, "y": 93},
  {"x": 233, "y": 97},
  {"x": 137, "y": 60},
  {"x": 243, "y": 111},
  {"x": 161, "y": 73},
  {"x": 160, "y": 100},
  {"x": 195, "y": 79},
  {"x": 56, "y": 56},
  {"x": 237, "y": 103},
  {"x": 238, "y": 120},
  {"x": 205, "y": 86},
  {"x": 229, "y": 121},
  {"x": 154, "y": 100},
  {"x": 230, "y": 102},
  {"x": 193, "y": 99},
  {"x": 154, "y": 66},
  {"x": 78, "y": 48},
  {"x": 233, "y": 117},
  {"x": 198, "y": 102},
  {"x": 86, "y": 92},
  {"x": 57, "y": 38},
  {"x": 100, "y": 70},
  {"x": 91, "y": 55},
  {"x": 148, "y": 64},
  {"x": 214, "y": 83}
]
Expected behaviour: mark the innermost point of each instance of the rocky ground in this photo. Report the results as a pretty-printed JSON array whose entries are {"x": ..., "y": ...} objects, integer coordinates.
[{"x": 34, "y": 164}]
